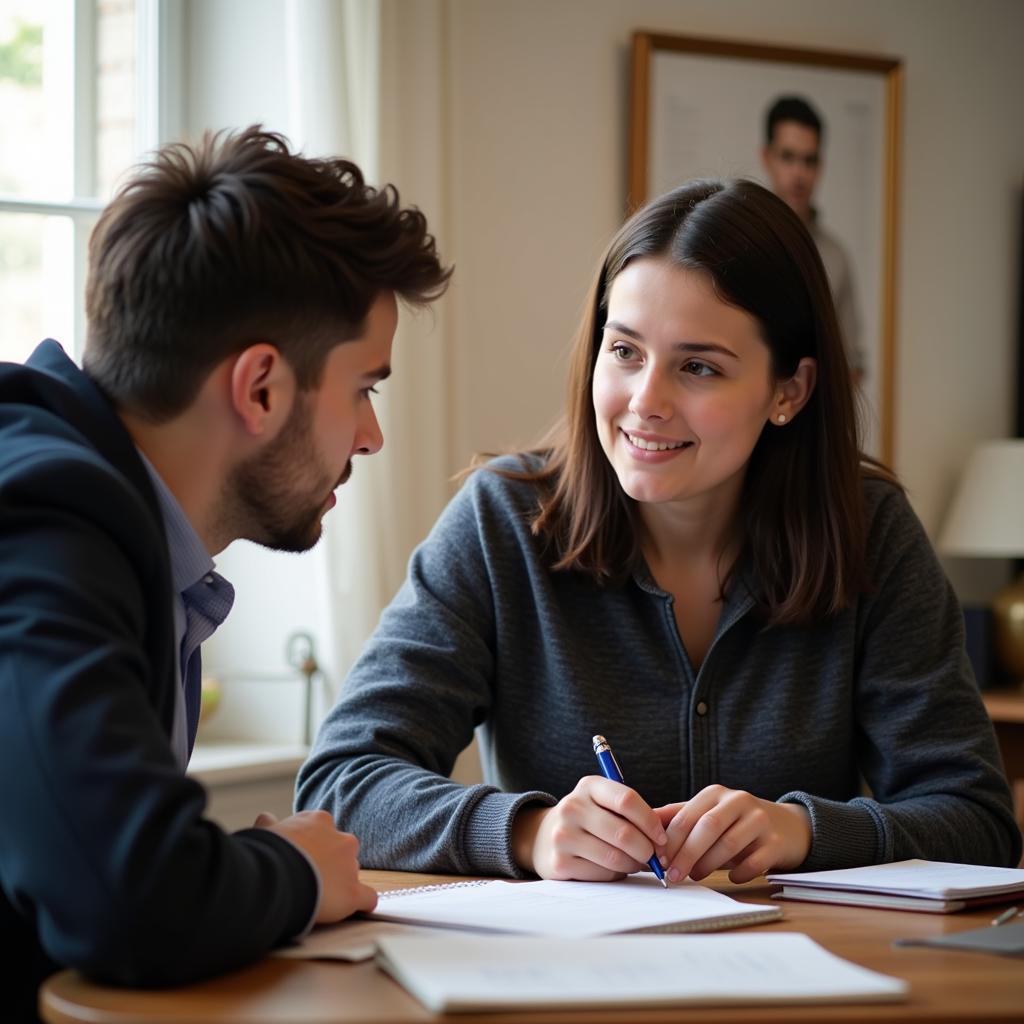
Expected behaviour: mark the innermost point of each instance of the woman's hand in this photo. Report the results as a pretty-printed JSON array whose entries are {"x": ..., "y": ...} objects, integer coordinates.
[
  {"x": 728, "y": 828},
  {"x": 600, "y": 831}
]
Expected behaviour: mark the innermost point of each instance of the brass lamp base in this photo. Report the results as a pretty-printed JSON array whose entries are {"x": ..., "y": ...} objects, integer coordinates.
[{"x": 1008, "y": 628}]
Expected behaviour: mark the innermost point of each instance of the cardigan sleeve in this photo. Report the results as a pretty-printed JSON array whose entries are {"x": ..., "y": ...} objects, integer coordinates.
[
  {"x": 926, "y": 746},
  {"x": 410, "y": 704}
]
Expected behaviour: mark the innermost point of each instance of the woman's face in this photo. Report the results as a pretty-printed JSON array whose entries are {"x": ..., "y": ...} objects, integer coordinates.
[{"x": 682, "y": 385}]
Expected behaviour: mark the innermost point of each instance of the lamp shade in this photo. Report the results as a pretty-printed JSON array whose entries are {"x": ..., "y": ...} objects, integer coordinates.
[{"x": 986, "y": 518}]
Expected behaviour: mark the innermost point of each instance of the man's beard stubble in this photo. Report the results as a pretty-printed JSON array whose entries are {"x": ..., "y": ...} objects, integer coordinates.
[{"x": 268, "y": 499}]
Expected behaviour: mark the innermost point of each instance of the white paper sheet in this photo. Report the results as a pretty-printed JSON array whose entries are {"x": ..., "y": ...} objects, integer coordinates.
[
  {"x": 462, "y": 972},
  {"x": 351, "y": 941}
]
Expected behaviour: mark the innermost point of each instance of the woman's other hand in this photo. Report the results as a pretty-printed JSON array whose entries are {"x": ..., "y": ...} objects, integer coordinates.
[{"x": 729, "y": 828}]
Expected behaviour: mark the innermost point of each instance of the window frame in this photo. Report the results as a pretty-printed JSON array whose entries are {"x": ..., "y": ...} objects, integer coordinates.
[{"x": 159, "y": 43}]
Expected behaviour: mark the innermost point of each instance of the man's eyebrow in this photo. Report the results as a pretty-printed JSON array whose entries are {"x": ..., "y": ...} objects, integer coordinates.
[
  {"x": 682, "y": 346},
  {"x": 792, "y": 154},
  {"x": 381, "y": 373}
]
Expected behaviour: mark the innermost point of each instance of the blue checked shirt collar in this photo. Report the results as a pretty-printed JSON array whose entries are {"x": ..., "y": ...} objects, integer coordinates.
[{"x": 202, "y": 600}]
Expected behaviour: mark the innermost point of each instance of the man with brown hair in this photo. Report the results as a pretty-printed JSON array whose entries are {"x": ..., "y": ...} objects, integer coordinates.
[
  {"x": 792, "y": 159},
  {"x": 241, "y": 307}
]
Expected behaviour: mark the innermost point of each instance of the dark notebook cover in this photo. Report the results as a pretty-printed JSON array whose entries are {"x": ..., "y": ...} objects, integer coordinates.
[{"x": 1004, "y": 939}]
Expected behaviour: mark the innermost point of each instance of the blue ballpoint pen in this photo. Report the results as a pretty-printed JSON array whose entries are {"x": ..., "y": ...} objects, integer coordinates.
[{"x": 610, "y": 770}]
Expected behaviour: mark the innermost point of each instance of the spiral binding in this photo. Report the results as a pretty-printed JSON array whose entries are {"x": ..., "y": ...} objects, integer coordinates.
[
  {"x": 432, "y": 888},
  {"x": 711, "y": 924}
]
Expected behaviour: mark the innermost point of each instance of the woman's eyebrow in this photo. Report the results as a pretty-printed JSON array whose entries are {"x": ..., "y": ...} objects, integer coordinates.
[
  {"x": 682, "y": 346},
  {"x": 614, "y": 325}
]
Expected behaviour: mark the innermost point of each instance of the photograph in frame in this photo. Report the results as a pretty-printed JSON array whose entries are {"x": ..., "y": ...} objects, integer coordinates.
[{"x": 698, "y": 110}]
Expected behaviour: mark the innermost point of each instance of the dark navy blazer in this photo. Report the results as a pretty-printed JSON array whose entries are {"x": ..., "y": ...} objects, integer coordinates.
[{"x": 106, "y": 862}]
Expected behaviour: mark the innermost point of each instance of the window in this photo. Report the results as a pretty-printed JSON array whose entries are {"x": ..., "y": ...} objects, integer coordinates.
[{"x": 78, "y": 106}]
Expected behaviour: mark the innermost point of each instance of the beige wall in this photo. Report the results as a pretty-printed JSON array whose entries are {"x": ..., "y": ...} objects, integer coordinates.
[
  {"x": 506, "y": 120},
  {"x": 533, "y": 155}
]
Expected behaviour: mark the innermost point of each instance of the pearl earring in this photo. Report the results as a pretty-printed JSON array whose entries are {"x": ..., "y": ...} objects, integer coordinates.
[{"x": 781, "y": 417}]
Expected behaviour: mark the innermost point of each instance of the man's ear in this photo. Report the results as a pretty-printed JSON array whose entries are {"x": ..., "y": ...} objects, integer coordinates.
[{"x": 262, "y": 387}]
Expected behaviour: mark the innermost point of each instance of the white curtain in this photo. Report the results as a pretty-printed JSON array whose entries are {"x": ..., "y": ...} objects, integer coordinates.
[
  {"x": 352, "y": 91},
  {"x": 333, "y": 78}
]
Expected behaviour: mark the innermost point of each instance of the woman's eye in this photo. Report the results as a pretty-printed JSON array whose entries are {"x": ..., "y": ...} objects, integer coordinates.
[
  {"x": 696, "y": 368},
  {"x": 622, "y": 352}
]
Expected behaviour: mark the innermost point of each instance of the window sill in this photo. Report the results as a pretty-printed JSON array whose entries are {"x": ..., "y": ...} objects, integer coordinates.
[{"x": 231, "y": 762}]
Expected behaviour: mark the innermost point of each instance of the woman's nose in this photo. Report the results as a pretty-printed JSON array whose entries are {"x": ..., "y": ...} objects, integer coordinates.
[{"x": 650, "y": 400}]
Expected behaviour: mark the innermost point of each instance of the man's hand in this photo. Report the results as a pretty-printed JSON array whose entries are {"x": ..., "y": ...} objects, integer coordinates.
[
  {"x": 334, "y": 854},
  {"x": 728, "y": 828},
  {"x": 600, "y": 831}
]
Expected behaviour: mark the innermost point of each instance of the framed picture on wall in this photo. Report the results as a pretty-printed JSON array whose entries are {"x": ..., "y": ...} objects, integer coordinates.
[{"x": 699, "y": 109}]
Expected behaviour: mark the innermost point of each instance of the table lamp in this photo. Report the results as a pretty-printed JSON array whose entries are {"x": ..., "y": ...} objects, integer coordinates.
[{"x": 986, "y": 520}]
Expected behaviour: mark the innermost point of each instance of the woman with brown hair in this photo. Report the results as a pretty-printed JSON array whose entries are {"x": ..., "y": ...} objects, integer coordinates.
[{"x": 699, "y": 564}]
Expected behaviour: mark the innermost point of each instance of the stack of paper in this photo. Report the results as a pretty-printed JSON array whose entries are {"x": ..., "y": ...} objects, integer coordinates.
[
  {"x": 463, "y": 973},
  {"x": 932, "y": 886}
]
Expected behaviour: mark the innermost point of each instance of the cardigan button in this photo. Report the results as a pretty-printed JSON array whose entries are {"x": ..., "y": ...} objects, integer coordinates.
[{"x": 702, "y": 709}]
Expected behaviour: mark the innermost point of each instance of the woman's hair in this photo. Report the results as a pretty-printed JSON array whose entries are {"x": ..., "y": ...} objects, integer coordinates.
[{"x": 802, "y": 512}]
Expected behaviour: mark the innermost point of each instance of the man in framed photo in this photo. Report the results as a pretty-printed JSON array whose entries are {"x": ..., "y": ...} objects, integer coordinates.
[{"x": 792, "y": 159}]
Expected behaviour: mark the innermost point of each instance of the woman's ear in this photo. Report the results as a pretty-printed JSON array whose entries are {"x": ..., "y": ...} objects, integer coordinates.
[
  {"x": 262, "y": 388},
  {"x": 791, "y": 395}
]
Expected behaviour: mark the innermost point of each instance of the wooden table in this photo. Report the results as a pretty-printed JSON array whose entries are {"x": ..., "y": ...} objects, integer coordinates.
[{"x": 944, "y": 986}]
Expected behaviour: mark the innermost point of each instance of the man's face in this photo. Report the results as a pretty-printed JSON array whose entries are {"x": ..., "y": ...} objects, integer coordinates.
[
  {"x": 282, "y": 493},
  {"x": 793, "y": 163}
]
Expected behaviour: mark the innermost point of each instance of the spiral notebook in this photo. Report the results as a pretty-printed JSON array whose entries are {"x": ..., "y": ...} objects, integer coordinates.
[{"x": 571, "y": 909}]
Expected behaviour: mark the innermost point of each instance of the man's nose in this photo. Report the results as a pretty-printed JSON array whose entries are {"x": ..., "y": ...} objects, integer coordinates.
[{"x": 369, "y": 437}]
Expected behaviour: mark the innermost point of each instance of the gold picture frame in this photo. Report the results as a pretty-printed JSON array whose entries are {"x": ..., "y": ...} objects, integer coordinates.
[{"x": 694, "y": 100}]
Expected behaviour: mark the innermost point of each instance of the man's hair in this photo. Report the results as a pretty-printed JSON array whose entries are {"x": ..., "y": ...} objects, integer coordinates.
[
  {"x": 210, "y": 248},
  {"x": 792, "y": 108}
]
